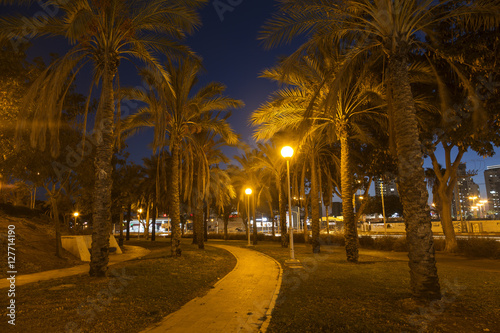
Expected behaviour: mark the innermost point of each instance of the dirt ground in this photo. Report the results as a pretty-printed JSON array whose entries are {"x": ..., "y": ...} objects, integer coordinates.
[{"x": 34, "y": 245}]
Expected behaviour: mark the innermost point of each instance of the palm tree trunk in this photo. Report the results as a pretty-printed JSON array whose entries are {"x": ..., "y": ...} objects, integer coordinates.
[
  {"x": 175, "y": 203},
  {"x": 226, "y": 221},
  {"x": 147, "y": 223},
  {"x": 254, "y": 222},
  {"x": 205, "y": 223},
  {"x": 327, "y": 220},
  {"x": 199, "y": 224},
  {"x": 101, "y": 206},
  {"x": 55, "y": 213},
  {"x": 272, "y": 218},
  {"x": 153, "y": 220},
  {"x": 447, "y": 221},
  {"x": 120, "y": 240},
  {"x": 314, "y": 197},
  {"x": 350, "y": 225},
  {"x": 306, "y": 216},
  {"x": 412, "y": 188},
  {"x": 129, "y": 217},
  {"x": 284, "y": 235}
]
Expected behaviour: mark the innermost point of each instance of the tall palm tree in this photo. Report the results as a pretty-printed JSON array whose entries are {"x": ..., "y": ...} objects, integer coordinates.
[
  {"x": 326, "y": 108},
  {"x": 391, "y": 30},
  {"x": 101, "y": 35},
  {"x": 270, "y": 160},
  {"x": 250, "y": 178},
  {"x": 185, "y": 114}
]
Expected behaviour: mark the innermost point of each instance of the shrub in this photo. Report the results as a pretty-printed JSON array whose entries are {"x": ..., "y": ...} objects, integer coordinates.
[
  {"x": 366, "y": 242},
  {"x": 439, "y": 244},
  {"x": 385, "y": 243},
  {"x": 479, "y": 247},
  {"x": 20, "y": 211},
  {"x": 400, "y": 245}
]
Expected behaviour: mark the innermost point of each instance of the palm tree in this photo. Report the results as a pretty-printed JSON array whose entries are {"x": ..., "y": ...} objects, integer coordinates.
[
  {"x": 184, "y": 116},
  {"x": 326, "y": 109},
  {"x": 270, "y": 160},
  {"x": 249, "y": 177},
  {"x": 391, "y": 30},
  {"x": 101, "y": 34}
]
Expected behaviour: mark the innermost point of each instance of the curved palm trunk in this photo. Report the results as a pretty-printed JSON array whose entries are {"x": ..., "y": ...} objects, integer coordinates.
[
  {"x": 350, "y": 227},
  {"x": 175, "y": 203},
  {"x": 447, "y": 221},
  {"x": 315, "y": 241},
  {"x": 101, "y": 206},
  {"x": 284, "y": 235},
  {"x": 423, "y": 273}
]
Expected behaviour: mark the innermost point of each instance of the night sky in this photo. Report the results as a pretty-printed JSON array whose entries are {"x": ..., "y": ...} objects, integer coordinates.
[{"x": 227, "y": 42}]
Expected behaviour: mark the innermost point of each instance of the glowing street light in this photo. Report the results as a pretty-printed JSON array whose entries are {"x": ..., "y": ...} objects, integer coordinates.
[
  {"x": 473, "y": 198},
  {"x": 139, "y": 219},
  {"x": 248, "y": 192},
  {"x": 287, "y": 152},
  {"x": 75, "y": 214}
]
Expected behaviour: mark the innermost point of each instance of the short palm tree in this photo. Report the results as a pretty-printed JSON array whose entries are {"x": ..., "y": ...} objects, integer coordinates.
[
  {"x": 101, "y": 35},
  {"x": 184, "y": 115}
]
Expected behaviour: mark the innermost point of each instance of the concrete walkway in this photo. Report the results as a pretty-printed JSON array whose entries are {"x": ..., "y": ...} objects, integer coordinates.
[
  {"x": 131, "y": 252},
  {"x": 240, "y": 302}
]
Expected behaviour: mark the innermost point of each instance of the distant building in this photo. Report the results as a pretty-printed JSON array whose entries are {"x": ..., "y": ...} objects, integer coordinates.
[
  {"x": 389, "y": 187},
  {"x": 492, "y": 182},
  {"x": 467, "y": 189}
]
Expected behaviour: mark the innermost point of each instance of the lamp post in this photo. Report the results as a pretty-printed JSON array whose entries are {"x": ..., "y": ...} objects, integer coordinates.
[
  {"x": 248, "y": 192},
  {"x": 383, "y": 206},
  {"x": 473, "y": 198},
  {"x": 287, "y": 153},
  {"x": 75, "y": 214},
  {"x": 139, "y": 219},
  {"x": 483, "y": 204}
]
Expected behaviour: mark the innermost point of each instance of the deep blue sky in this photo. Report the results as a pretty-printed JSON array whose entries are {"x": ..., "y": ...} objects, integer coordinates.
[{"x": 232, "y": 55}]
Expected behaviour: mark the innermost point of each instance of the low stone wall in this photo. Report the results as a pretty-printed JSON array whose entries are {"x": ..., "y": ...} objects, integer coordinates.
[{"x": 79, "y": 245}]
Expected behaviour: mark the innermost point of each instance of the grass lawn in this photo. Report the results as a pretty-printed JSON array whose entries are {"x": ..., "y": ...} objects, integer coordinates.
[
  {"x": 331, "y": 295},
  {"x": 136, "y": 294}
]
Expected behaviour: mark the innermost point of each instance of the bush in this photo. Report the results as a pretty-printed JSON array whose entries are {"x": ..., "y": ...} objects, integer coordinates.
[
  {"x": 367, "y": 242},
  {"x": 479, "y": 247},
  {"x": 385, "y": 243},
  {"x": 20, "y": 211}
]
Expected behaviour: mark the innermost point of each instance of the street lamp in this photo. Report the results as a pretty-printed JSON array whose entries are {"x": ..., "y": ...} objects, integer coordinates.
[
  {"x": 139, "y": 220},
  {"x": 287, "y": 153},
  {"x": 75, "y": 214},
  {"x": 483, "y": 204},
  {"x": 383, "y": 206},
  {"x": 473, "y": 198},
  {"x": 248, "y": 191}
]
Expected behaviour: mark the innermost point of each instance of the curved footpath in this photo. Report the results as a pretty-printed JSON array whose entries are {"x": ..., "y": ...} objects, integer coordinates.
[
  {"x": 131, "y": 252},
  {"x": 242, "y": 301}
]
